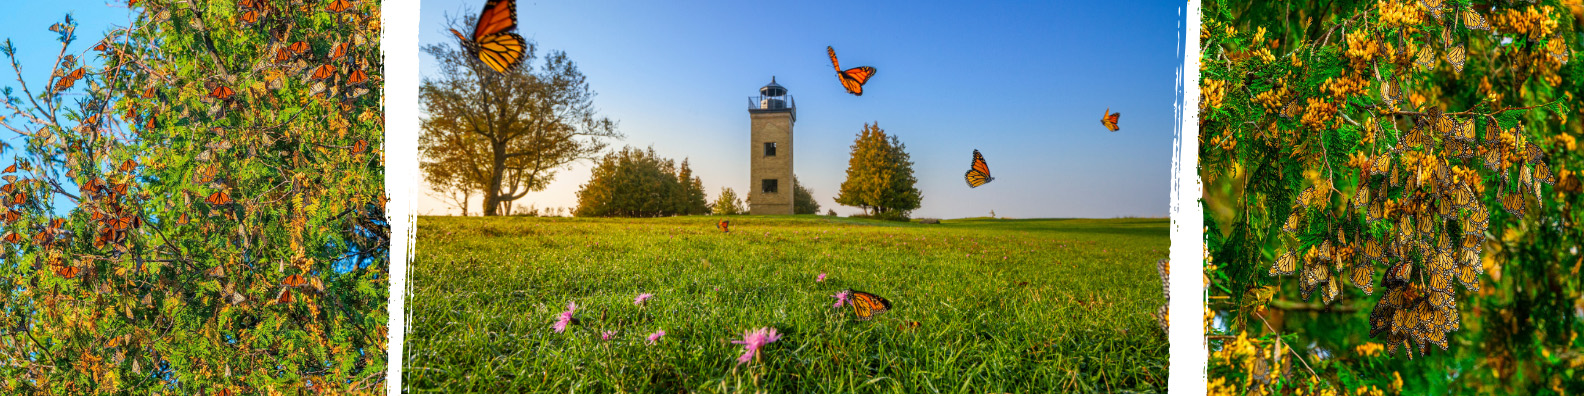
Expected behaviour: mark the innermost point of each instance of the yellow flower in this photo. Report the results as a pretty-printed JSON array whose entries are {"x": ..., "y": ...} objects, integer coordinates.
[{"x": 1369, "y": 348}]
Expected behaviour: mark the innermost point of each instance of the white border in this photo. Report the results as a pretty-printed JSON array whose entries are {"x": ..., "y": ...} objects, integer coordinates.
[
  {"x": 1188, "y": 351},
  {"x": 400, "y": 46}
]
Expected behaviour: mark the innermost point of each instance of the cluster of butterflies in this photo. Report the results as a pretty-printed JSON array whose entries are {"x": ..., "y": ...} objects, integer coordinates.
[{"x": 1439, "y": 223}]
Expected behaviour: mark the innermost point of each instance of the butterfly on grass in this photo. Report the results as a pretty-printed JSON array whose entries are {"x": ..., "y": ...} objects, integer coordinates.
[{"x": 867, "y": 305}]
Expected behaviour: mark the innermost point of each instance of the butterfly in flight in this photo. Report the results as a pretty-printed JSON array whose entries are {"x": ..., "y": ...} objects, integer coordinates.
[
  {"x": 867, "y": 305},
  {"x": 1110, "y": 120},
  {"x": 492, "y": 41},
  {"x": 724, "y": 225},
  {"x": 979, "y": 174},
  {"x": 853, "y": 79}
]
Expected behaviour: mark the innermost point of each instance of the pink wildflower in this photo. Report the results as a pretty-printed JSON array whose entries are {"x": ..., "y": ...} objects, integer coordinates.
[
  {"x": 606, "y": 336},
  {"x": 641, "y": 298},
  {"x": 753, "y": 340},
  {"x": 566, "y": 318},
  {"x": 653, "y": 338},
  {"x": 841, "y": 298},
  {"x": 821, "y": 277}
]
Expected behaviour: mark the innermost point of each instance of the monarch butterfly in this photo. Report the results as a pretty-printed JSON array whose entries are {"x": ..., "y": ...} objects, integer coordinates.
[
  {"x": 1293, "y": 221},
  {"x": 296, "y": 280},
  {"x": 12, "y": 216},
  {"x": 1558, "y": 50},
  {"x": 724, "y": 225},
  {"x": 357, "y": 148},
  {"x": 182, "y": 220},
  {"x": 12, "y": 168},
  {"x": 1425, "y": 58},
  {"x": 852, "y": 79},
  {"x": 322, "y": 72},
  {"x": 218, "y": 198},
  {"x": 128, "y": 165},
  {"x": 1292, "y": 110},
  {"x": 339, "y": 50},
  {"x": 67, "y": 271},
  {"x": 250, "y": 17},
  {"x": 339, "y": 6},
  {"x": 69, "y": 79},
  {"x": 103, "y": 46},
  {"x": 1110, "y": 120},
  {"x": 1398, "y": 275},
  {"x": 979, "y": 172},
  {"x": 1473, "y": 20},
  {"x": 1363, "y": 275},
  {"x": 1391, "y": 92},
  {"x": 357, "y": 77},
  {"x": 1434, "y": 7},
  {"x": 222, "y": 92},
  {"x": 867, "y": 305},
  {"x": 492, "y": 42},
  {"x": 285, "y": 296},
  {"x": 13, "y": 237},
  {"x": 1456, "y": 55}
]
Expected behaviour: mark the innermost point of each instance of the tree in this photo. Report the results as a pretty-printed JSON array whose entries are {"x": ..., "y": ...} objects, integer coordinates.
[
  {"x": 506, "y": 134},
  {"x": 880, "y": 176},
  {"x": 1391, "y": 197},
  {"x": 638, "y": 183},
  {"x": 727, "y": 203},
  {"x": 692, "y": 198},
  {"x": 205, "y": 214},
  {"x": 802, "y": 199}
]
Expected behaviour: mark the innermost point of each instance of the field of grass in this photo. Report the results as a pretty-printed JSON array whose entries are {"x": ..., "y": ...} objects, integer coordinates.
[{"x": 1026, "y": 306}]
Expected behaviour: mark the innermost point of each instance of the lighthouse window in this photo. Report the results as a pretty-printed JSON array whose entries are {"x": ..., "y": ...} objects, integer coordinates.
[
  {"x": 768, "y": 185},
  {"x": 770, "y": 149}
]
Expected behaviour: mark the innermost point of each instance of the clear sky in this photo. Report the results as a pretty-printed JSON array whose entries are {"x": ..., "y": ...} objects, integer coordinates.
[{"x": 1024, "y": 83}]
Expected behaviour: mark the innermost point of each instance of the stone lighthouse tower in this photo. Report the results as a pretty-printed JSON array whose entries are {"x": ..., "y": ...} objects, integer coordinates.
[{"x": 770, "y": 150}]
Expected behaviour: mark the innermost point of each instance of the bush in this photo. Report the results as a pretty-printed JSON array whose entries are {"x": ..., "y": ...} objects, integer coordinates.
[{"x": 639, "y": 183}]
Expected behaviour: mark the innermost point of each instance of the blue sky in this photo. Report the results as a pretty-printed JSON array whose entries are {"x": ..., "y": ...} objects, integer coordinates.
[
  {"x": 27, "y": 24},
  {"x": 1024, "y": 82}
]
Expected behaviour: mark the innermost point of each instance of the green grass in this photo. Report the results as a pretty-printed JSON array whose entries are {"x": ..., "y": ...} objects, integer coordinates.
[{"x": 485, "y": 291}]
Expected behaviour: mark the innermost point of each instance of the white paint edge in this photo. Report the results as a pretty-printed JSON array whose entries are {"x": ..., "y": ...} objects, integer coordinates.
[{"x": 1188, "y": 350}]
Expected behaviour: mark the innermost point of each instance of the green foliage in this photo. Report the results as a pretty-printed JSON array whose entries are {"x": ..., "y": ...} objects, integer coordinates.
[
  {"x": 638, "y": 183},
  {"x": 1342, "y": 142},
  {"x": 880, "y": 176},
  {"x": 727, "y": 203},
  {"x": 1021, "y": 306},
  {"x": 504, "y": 135},
  {"x": 163, "y": 209},
  {"x": 802, "y": 199}
]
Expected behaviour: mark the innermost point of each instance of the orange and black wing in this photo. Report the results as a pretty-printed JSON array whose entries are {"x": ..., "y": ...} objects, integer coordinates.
[
  {"x": 339, "y": 6},
  {"x": 498, "y": 16},
  {"x": 867, "y": 305},
  {"x": 979, "y": 172},
  {"x": 218, "y": 198},
  {"x": 1110, "y": 120},
  {"x": 852, "y": 79},
  {"x": 501, "y": 51}
]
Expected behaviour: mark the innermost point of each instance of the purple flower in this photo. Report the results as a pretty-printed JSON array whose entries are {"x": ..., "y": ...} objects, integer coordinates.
[
  {"x": 566, "y": 318},
  {"x": 641, "y": 298},
  {"x": 606, "y": 336},
  {"x": 841, "y": 298},
  {"x": 753, "y": 340},
  {"x": 653, "y": 338},
  {"x": 821, "y": 277}
]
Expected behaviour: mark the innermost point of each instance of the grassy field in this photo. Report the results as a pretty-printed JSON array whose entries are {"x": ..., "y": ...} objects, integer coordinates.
[{"x": 1001, "y": 305}]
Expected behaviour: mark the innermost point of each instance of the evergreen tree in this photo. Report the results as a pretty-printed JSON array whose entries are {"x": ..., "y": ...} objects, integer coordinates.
[
  {"x": 639, "y": 183},
  {"x": 880, "y": 176},
  {"x": 727, "y": 203},
  {"x": 691, "y": 201}
]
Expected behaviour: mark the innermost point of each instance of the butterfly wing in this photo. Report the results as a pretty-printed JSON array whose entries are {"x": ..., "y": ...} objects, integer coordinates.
[
  {"x": 501, "y": 51},
  {"x": 853, "y": 79},
  {"x": 866, "y": 305},
  {"x": 979, "y": 170},
  {"x": 832, "y": 52},
  {"x": 498, "y": 16},
  {"x": 1110, "y": 120}
]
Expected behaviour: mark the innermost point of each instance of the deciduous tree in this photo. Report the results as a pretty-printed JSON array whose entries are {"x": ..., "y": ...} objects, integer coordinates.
[
  {"x": 506, "y": 134},
  {"x": 880, "y": 176}
]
